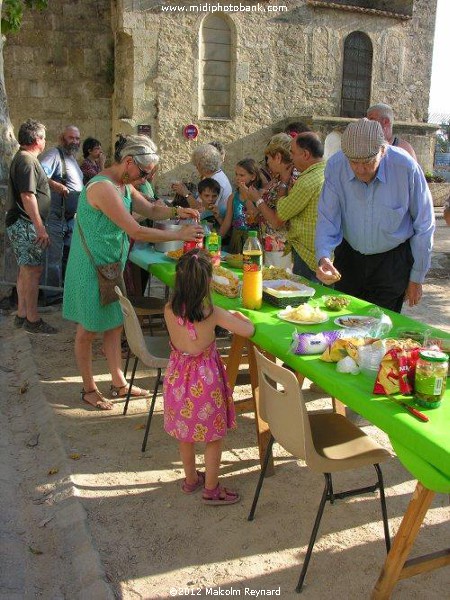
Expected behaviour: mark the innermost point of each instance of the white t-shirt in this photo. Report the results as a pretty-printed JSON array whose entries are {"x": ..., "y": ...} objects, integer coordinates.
[{"x": 225, "y": 191}]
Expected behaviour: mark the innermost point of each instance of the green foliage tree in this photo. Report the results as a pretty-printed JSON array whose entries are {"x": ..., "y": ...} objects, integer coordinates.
[{"x": 443, "y": 137}]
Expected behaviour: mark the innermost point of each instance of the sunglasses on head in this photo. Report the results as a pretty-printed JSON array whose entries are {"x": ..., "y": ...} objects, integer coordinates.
[{"x": 142, "y": 174}]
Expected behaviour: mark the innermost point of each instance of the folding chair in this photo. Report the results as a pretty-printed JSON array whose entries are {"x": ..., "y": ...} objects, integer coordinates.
[
  {"x": 153, "y": 351},
  {"x": 327, "y": 442}
]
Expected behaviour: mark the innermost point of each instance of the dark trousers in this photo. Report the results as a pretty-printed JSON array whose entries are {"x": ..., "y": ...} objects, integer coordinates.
[
  {"x": 377, "y": 278},
  {"x": 301, "y": 268}
]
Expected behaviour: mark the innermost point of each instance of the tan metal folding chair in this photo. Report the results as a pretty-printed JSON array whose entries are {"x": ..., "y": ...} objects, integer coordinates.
[
  {"x": 153, "y": 351},
  {"x": 327, "y": 442}
]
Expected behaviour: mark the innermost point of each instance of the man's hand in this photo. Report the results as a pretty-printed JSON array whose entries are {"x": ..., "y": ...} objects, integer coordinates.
[
  {"x": 58, "y": 187},
  {"x": 42, "y": 238},
  {"x": 326, "y": 272},
  {"x": 413, "y": 294}
]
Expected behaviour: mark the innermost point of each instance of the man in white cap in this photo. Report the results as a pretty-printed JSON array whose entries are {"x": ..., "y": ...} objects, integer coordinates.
[{"x": 376, "y": 213}]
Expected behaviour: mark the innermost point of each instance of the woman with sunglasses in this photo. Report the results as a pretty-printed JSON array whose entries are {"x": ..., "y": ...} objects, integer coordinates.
[{"x": 103, "y": 226}]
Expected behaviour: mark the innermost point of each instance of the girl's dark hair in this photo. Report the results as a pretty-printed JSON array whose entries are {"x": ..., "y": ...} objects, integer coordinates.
[
  {"x": 192, "y": 286},
  {"x": 89, "y": 144},
  {"x": 252, "y": 168}
]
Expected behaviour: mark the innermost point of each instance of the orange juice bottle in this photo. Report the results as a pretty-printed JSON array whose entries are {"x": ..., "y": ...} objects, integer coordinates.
[{"x": 252, "y": 272}]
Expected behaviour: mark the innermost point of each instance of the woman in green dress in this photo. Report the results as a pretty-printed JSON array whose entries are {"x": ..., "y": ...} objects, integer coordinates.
[{"x": 104, "y": 217}]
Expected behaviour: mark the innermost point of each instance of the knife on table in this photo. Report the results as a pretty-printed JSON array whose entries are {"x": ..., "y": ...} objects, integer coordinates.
[{"x": 414, "y": 411}]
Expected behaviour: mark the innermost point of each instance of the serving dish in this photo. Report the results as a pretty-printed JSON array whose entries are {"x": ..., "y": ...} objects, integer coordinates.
[
  {"x": 304, "y": 314},
  {"x": 284, "y": 292},
  {"x": 355, "y": 321}
]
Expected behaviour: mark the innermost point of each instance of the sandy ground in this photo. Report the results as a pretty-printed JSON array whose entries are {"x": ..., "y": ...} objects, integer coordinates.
[{"x": 156, "y": 542}]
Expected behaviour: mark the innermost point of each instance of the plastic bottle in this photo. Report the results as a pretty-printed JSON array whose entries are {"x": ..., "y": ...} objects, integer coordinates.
[
  {"x": 190, "y": 245},
  {"x": 252, "y": 272}
]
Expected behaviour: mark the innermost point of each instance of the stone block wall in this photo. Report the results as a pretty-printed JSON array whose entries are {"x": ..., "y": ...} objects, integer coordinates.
[
  {"x": 59, "y": 68},
  {"x": 112, "y": 65},
  {"x": 284, "y": 64}
]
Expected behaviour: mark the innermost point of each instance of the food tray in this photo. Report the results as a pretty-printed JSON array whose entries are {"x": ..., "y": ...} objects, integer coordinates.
[{"x": 284, "y": 298}]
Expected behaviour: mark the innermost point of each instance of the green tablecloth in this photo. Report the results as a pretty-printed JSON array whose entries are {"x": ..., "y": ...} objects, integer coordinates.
[{"x": 423, "y": 448}]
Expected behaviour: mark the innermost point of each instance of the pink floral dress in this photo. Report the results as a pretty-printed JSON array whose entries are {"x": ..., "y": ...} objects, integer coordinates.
[{"x": 198, "y": 403}]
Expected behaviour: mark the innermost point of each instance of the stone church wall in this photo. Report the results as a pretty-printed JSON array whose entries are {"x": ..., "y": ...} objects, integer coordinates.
[
  {"x": 286, "y": 66},
  {"x": 67, "y": 66}
]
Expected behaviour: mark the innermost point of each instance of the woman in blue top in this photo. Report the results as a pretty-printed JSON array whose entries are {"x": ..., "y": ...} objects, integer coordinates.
[{"x": 241, "y": 215}]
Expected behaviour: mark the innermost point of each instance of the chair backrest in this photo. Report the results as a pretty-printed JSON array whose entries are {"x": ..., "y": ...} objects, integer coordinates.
[
  {"x": 132, "y": 326},
  {"x": 283, "y": 408}
]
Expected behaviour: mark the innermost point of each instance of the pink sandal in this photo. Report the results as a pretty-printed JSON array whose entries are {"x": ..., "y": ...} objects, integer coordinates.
[
  {"x": 220, "y": 495},
  {"x": 191, "y": 488}
]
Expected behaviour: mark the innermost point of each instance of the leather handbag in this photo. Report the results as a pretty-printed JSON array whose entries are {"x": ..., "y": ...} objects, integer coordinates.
[{"x": 108, "y": 275}]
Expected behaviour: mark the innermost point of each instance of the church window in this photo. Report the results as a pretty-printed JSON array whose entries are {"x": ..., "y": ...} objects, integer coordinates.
[
  {"x": 356, "y": 75},
  {"x": 215, "y": 67}
]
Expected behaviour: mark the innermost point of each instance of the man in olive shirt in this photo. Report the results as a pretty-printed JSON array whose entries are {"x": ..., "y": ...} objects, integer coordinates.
[
  {"x": 28, "y": 207},
  {"x": 299, "y": 207}
]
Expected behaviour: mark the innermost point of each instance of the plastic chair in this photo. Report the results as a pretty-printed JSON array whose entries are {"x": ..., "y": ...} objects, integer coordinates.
[
  {"x": 153, "y": 351},
  {"x": 327, "y": 442},
  {"x": 148, "y": 306}
]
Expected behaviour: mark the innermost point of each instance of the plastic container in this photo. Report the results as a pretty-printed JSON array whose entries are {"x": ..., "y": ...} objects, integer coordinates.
[
  {"x": 369, "y": 359},
  {"x": 252, "y": 272},
  {"x": 431, "y": 378}
]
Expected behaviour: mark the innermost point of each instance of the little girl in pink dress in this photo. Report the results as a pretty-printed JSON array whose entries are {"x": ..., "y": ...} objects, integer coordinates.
[{"x": 198, "y": 403}]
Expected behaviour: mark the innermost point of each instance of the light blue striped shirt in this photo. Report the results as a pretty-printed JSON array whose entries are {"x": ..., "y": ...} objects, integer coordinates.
[{"x": 376, "y": 217}]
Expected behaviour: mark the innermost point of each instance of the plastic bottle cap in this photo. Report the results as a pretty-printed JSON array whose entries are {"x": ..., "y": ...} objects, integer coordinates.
[
  {"x": 252, "y": 233},
  {"x": 433, "y": 355}
]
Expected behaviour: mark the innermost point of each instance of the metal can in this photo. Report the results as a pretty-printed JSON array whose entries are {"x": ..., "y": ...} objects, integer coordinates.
[{"x": 430, "y": 378}]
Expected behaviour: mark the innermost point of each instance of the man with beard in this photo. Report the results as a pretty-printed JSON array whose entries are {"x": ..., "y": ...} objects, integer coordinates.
[{"x": 66, "y": 181}]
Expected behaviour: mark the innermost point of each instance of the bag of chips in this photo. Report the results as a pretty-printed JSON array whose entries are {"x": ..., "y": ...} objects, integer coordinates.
[{"x": 397, "y": 369}]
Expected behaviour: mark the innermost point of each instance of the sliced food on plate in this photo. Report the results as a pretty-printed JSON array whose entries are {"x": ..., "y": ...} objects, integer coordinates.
[
  {"x": 304, "y": 314},
  {"x": 355, "y": 321}
]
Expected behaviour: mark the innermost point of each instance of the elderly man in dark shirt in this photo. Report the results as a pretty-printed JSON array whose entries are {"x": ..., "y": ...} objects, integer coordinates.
[{"x": 28, "y": 207}]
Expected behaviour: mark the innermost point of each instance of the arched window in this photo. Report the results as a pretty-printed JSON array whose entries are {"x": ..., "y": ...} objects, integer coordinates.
[
  {"x": 215, "y": 67},
  {"x": 356, "y": 75}
]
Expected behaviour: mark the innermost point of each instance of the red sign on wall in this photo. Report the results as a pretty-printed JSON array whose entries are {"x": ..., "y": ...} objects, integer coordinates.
[{"x": 190, "y": 132}]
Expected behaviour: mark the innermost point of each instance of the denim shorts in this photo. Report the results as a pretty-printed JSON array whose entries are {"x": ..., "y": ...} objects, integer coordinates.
[{"x": 22, "y": 236}]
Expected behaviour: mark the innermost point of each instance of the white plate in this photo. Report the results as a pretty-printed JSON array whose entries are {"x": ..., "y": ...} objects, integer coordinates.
[
  {"x": 283, "y": 318},
  {"x": 355, "y": 321}
]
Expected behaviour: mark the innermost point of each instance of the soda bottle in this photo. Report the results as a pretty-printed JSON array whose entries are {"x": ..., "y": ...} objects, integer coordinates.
[
  {"x": 212, "y": 245},
  {"x": 190, "y": 245},
  {"x": 252, "y": 272}
]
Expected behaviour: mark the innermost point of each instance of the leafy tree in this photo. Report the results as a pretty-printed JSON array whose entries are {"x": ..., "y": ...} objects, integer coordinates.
[{"x": 443, "y": 137}]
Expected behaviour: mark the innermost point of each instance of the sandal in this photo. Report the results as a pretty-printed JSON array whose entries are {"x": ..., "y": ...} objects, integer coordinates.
[
  {"x": 219, "y": 495},
  {"x": 191, "y": 488},
  {"x": 121, "y": 391},
  {"x": 100, "y": 403}
]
